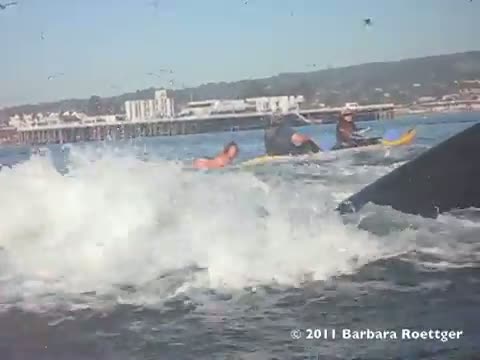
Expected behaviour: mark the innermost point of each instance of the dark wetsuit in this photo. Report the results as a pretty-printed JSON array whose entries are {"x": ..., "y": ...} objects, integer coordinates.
[{"x": 278, "y": 141}]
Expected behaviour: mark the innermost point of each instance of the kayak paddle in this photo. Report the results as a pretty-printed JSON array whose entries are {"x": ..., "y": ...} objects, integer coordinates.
[{"x": 363, "y": 131}]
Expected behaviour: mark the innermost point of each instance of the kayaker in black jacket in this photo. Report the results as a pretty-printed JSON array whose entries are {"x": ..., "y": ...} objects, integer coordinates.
[{"x": 281, "y": 139}]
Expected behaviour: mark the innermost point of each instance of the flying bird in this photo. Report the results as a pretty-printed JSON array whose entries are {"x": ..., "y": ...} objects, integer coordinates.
[
  {"x": 54, "y": 76},
  {"x": 166, "y": 70},
  {"x": 4, "y": 6},
  {"x": 160, "y": 71},
  {"x": 42, "y": 36},
  {"x": 154, "y": 74},
  {"x": 154, "y": 4},
  {"x": 367, "y": 22}
]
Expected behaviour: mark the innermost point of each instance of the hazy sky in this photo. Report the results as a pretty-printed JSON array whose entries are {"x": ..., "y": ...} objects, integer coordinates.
[{"x": 105, "y": 47}]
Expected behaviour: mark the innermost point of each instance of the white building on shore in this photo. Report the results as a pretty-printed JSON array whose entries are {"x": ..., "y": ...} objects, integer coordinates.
[
  {"x": 267, "y": 104},
  {"x": 282, "y": 104},
  {"x": 161, "y": 107}
]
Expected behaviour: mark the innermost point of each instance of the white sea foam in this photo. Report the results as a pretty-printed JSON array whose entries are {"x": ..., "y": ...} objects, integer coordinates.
[{"x": 115, "y": 220}]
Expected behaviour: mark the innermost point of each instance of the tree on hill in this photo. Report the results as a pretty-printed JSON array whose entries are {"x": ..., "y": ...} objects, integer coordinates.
[{"x": 94, "y": 107}]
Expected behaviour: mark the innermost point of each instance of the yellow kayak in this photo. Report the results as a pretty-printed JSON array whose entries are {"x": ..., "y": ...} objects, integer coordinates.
[{"x": 405, "y": 139}]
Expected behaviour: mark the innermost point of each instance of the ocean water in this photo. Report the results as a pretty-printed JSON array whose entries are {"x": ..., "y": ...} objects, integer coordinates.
[{"x": 119, "y": 250}]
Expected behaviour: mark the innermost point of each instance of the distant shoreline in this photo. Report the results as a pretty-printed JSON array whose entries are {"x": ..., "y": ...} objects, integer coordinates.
[{"x": 432, "y": 112}]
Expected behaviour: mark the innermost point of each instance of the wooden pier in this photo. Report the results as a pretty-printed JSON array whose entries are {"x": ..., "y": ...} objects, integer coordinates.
[{"x": 120, "y": 130}]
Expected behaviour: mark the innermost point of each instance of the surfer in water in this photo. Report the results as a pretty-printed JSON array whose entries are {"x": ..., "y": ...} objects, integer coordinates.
[
  {"x": 224, "y": 158},
  {"x": 281, "y": 139}
]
